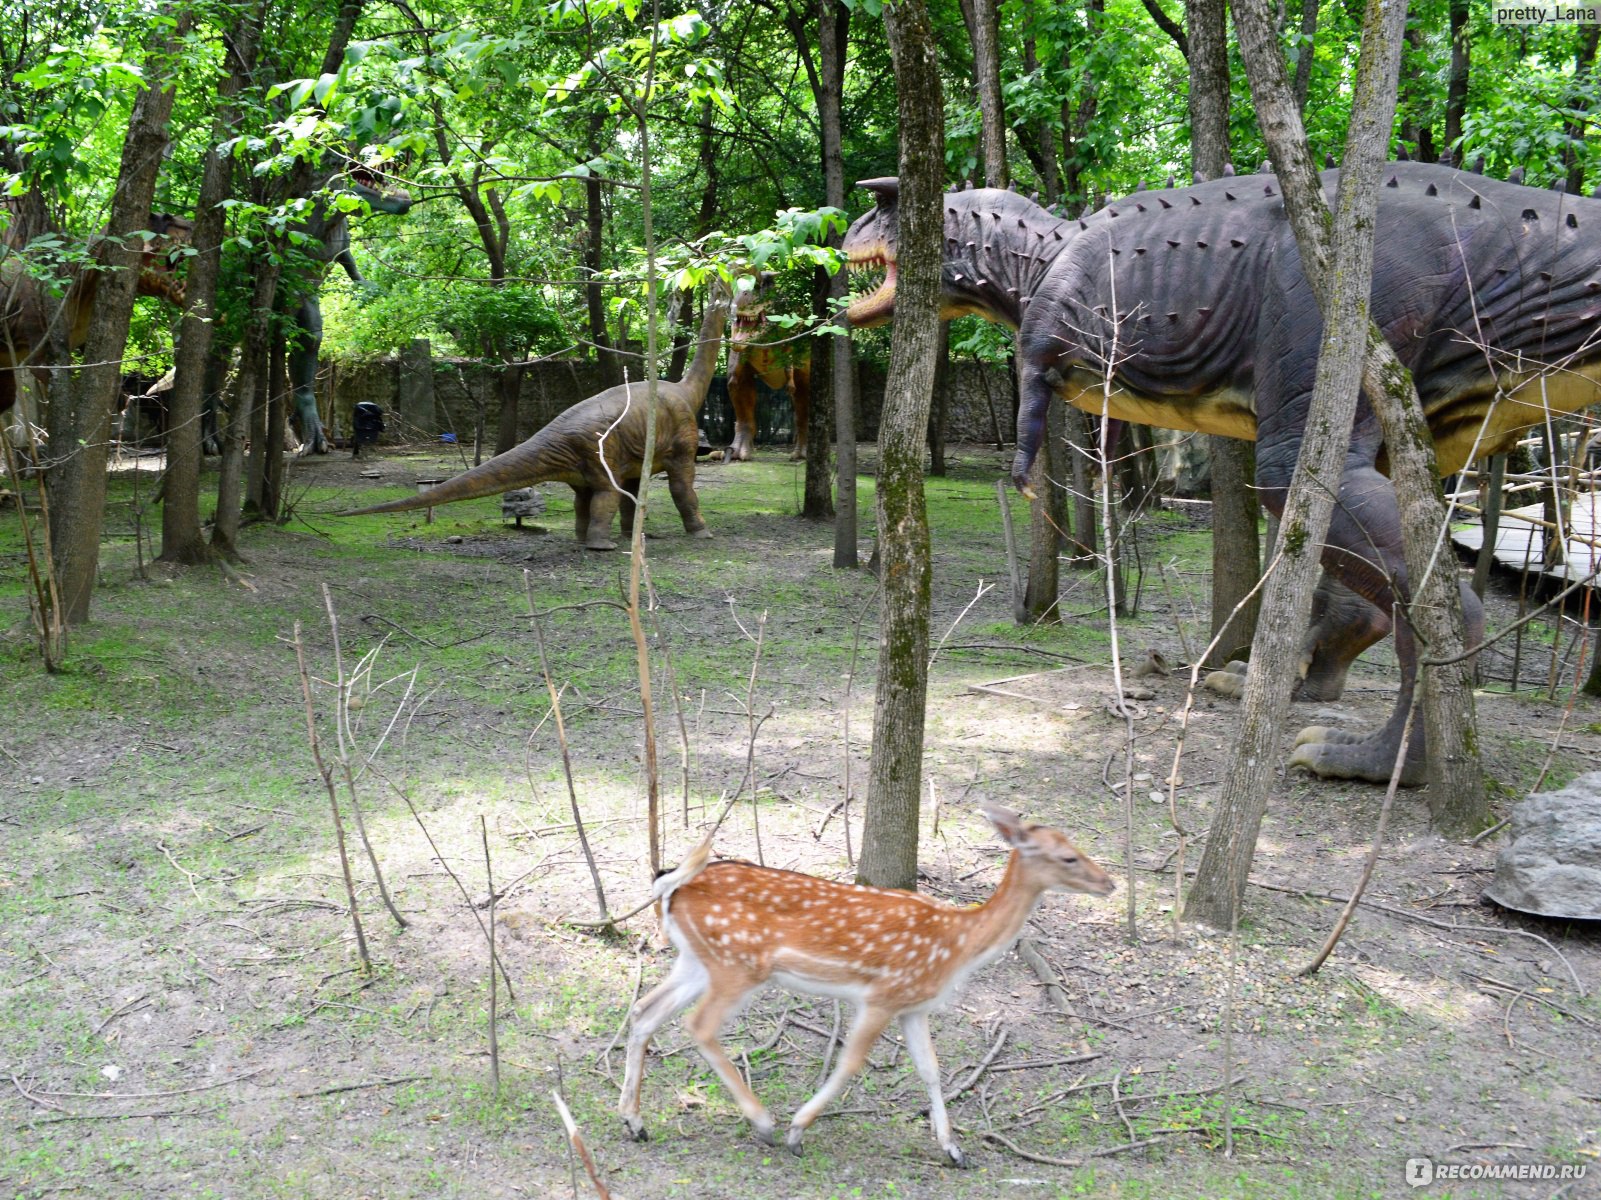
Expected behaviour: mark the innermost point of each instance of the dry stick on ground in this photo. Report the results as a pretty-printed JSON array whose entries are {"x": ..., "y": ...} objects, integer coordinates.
[
  {"x": 977, "y": 596},
  {"x": 494, "y": 992},
  {"x": 511, "y": 993},
  {"x": 566, "y": 756},
  {"x": 345, "y": 738},
  {"x": 577, "y": 1142},
  {"x": 1379, "y": 829},
  {"x": 327, "y": 774}
]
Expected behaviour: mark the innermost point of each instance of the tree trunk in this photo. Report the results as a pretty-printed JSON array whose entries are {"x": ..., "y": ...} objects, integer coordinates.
[
  {"x": 611, "y": 363},
  {"x": 1231, "y": 843},
  {"x": 1048, "y": 520},
  {"x": 278, "y": 391},
  {"x": 937, "y": 401},
  {"x": 1456, "y": 80},
  {"x": 1304, "y": 53},
  {"x": 889, "y": 834},
  {"x": 78, "y": 483},
  {"x": 181, "y": 538},
  {"x": 252, "y": 365},
  {"x": 833, "y": 32},
  {"x": 818, "y": 501},
  {"x": 1236, "y": 548},
  {"x": 1579, "y": 103},
  {"x": 987, "y": 80}
]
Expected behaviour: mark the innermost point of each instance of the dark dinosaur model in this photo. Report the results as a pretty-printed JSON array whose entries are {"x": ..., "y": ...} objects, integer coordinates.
[
  {"x": 328, "y": 227},
  {"x": 1194, "y": 301},
  {"x": 28, "y": 313},
  {"x": 754, "y": 355},
  {"x": 568, "y": 449}
]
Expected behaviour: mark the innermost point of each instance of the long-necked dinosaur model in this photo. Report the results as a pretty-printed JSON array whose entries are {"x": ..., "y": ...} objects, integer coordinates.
[
  {"x": 27, "y": 312},
  {"x": 755, "y": 353},
  {"x": 568, "y": 449},
  {"x": 1193, "y": 299}
]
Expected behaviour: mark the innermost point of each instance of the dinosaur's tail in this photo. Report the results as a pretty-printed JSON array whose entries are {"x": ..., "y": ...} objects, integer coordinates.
[{"x": 521, "y": 466}]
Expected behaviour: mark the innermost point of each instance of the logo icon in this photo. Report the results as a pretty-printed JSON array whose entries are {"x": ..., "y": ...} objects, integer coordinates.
[{"x": 1419, "y": 1172}]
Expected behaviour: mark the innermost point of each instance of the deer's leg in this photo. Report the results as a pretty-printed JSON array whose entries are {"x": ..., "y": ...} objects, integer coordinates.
[
  {"x": 703, "y": 1025},
  {"x": 666, "y": 1000},
  {"x": 869, "y": 1023},
  {"x": 920, "y": 1045}
]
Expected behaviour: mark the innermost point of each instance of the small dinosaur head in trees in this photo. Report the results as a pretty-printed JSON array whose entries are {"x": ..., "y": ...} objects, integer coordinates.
[
  {"x": 163, "y": 255},
  {"x": 380, "y": 193}
]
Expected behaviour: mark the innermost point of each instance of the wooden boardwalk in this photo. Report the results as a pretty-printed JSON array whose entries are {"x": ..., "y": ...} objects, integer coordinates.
[{"x": 1520, "y": 540}]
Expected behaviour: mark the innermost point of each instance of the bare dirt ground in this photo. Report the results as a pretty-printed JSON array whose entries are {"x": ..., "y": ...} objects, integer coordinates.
[{"x": 181, "y": 1012}]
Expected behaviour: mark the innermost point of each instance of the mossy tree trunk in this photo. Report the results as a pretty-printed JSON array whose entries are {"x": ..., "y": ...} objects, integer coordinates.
[
  {"x": 889, "y": 835},
  {"x": 1231, "y": 842}
]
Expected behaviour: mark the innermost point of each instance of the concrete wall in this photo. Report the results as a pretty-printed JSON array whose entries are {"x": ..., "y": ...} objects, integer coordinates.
[{"x": 423, "y": 397}]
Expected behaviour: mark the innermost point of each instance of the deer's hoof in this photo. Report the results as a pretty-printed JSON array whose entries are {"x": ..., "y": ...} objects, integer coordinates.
[
  {"x": 764, "y": 1133},
  {"x": 793, "y": 1141},
  {"x": 636, "y": 1129},
  {"x": 954, "y": 1153}
]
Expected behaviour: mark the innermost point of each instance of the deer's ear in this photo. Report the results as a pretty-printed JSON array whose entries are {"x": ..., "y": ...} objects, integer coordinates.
[{"x": 1008, "y": 824}]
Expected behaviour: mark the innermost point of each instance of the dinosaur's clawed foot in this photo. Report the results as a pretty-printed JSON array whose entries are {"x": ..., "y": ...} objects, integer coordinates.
[
  {"x": 600, "y": 545},
  {"x": 1337, "y": 754},
  {"x": 764, "y": 1132},
  {"x": 1230, "y": 681},
  {"x": 702, "y": 533}
]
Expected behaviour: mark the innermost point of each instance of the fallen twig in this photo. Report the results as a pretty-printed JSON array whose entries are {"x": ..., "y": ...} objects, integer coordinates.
[{"x": 357, "y": 1087}]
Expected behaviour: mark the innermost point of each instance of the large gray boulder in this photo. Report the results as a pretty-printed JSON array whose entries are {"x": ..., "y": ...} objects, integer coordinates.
[{"x": 1552, "y": 863}]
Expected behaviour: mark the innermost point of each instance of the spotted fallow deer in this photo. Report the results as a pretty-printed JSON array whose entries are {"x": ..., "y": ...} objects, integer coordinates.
[{"x": 892, "y": 954}]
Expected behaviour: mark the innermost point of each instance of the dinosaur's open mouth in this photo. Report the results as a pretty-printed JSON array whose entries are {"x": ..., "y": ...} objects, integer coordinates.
[{"x": 877, "y": 305}]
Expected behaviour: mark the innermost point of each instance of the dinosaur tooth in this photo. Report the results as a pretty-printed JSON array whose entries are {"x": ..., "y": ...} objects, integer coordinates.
[
  {"x": 1267, "y": 189},
  {"x": 1515, "y": 175},
  {"x": 950, "y": 212},
  {"x": 1140, "y": 187},
  {"x": 1237, "y": 243},
  {"x": 1082, "y": 224},
  {"x": 1033, "y": 197},
  {"x": 1593, "y": 286},
  {"x": 1431, "y": 190},
  {"x": 1474, "y": 203},
  {"x": 1530, "y": 215},
  {"x": 1328, "y": 161},
  {"x": 1172, "y": 245},
  {"x": 1447, "y": 159},
  {"x": 1205, "y": 312},
  {"x": 1116, "y": 251},
  {"x": 1478, "y": 165},
  {"x": 1169, "y": 183},
  {"x": 1228, "y": 168},
  {"x": 1140, "y": 207},
  {"x": 1199, "y": 243},
  {"x": 967, "y": 186},
  {"x": 1196, "y": 201},
  {"x": 1266, "y": 167},
  {"x": 1139, "y": 249},
  {"x": 1111, "y": 212},
  {"x": 1198, "y": 177},
  {"x": 1022, "y": 224},
  {"x": 1163, "y": 202},
  {"x": 1057, "y": 234},
  {"x": 1573, "y": 221},
  {"x": 1561, "y": 185},
  {"x": 1546, "y": 276},
  {"x": 1402, "y": 154},
  {"x": 1172, "y": 316},
  {"x": 1392, "y": 181},
  {"x": 995, "y": 216},
  {"x": 972, "y": 245},
  {"x": 1228, "y": 195}
]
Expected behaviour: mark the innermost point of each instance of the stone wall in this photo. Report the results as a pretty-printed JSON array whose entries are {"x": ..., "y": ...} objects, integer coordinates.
[{"x": 423, "y": 397}]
